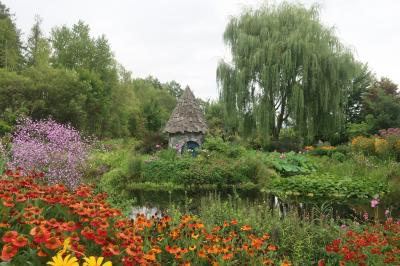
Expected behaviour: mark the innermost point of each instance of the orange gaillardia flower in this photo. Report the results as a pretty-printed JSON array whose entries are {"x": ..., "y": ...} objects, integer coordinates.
[
  {"x": 286, "y": 263},
  {"x": 8, "y": 252},
  {"x": 268, "y": 261},
  {"x": 8, "y": 203},
  {"x": 150, "y": 256},
  {"x": 174, "y": 234},
  {"x": 53, "y": 243},
  {"x": 42, "y": 236},
  {"x": 272, "y": 248},
  {"x": 245, "y": 228},
  {"x": 10, "y": 236},
  {"x": 4, "y": 225},
  {"x": 201, "y": 254},
  {"x": 228, "y": 256},
  {"x": 20, "y": 241}
]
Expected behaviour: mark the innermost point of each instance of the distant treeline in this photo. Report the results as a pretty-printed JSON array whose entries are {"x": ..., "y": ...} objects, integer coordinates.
[{"x": 74, "y": 78}]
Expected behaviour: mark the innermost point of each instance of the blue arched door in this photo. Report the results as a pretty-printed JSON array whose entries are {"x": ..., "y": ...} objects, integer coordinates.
[{"x": 191, "y": 146}]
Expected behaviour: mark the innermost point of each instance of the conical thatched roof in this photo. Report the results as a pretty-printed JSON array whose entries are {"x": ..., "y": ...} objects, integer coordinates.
[{"x": 187, "y": 117}]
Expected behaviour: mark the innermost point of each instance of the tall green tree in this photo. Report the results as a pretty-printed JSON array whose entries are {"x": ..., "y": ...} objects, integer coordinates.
[
  {"x": 56, "y": 93},
  {"x": 286, "y": 67},
  {"x": 13, "y": 95},
  {"x": 38, "y": 47},
  {"x": 174, "y": 88},
  {"x": 92, "y": 59},
  {"x": 382, "y": 105},
  {"x": 361, "y": 83},
  {"x": 156, "y": 102},
  {"x": 214, "y": 113},
  {"x": 10, "y": 41}
]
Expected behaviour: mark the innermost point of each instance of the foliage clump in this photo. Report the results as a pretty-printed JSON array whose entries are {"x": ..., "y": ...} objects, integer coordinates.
[
  {"x": 384, "y": 145},
  {"x": 290, "y": 163},
  {"x": 328, "y": 186}
]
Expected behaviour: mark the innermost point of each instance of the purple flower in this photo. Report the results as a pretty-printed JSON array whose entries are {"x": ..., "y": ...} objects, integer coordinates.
[
  {"x": 343, "y": 227},
  {"x": 387, "y": 213},
  {"x": 56, "y": 149},
  {"x": 374, "y": 202},
  {"x": 365, "y": 215}
]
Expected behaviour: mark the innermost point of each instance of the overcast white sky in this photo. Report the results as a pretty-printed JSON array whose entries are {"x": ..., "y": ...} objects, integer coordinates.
[{"x": 182, "y": 39}]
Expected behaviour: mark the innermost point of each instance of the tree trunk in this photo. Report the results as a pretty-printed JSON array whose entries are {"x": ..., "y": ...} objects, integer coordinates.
[{"x": 280, "y": 119}]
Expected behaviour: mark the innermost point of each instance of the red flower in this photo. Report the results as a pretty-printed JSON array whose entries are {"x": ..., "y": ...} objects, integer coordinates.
[
  {"x": 101, "y": 232},
  {"x": 227, "y": 256},
  {"x": 8, "y": 203},
  {"x": 20, "y": 241},
  {"x": 41, "y": 253},
  {"x": 70, "y": 226},
  {"x": 20, "y": 198},
  {"x": 42, "y": 236},
  {"x": 8, "y": 252},
  {"x": 10, "y": 236},
  {"x": 53, "y": 243},
  {"x": 88, "y": 233}
]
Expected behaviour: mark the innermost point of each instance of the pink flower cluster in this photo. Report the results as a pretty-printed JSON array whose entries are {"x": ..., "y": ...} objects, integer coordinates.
[
  {"x": 2, "y": 150},
  {"x": 390, "y": 132},
  {"x": 3, "y": 155},
  {"x": 374, "y": 202},
  {"x": 56, "y": 149}
]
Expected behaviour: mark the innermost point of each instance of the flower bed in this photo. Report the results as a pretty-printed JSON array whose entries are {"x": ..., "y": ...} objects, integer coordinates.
[
  {"x": 38, "y": 221},
  {"x": 377, "y": 244}
]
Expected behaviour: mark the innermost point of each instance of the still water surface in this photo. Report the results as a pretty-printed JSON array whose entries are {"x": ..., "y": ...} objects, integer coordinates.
[{"x": 154, "y": 203}]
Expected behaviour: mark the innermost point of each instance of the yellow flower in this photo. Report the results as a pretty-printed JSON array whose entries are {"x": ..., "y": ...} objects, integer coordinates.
[
  {"x": 58, "y": 260},
  {"x": 67, "y": 245},
  {"x": 91, "y": 261},
  {"x": 381, "y": 146}
]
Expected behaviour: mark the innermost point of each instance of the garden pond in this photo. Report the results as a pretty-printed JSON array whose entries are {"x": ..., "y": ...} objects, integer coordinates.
[{"x": 153, "y": 203}]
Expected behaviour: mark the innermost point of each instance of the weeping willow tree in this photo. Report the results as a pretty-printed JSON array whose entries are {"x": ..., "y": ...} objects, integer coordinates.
[{"x": 287, "y": 68}]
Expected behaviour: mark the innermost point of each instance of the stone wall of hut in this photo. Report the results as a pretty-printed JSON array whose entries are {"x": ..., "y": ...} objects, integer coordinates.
[{"x": 181, "y": 139}]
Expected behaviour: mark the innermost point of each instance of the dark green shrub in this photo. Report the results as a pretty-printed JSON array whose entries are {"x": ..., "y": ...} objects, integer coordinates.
[
  {"x": 252, "y": 168},
  {"x": 135, "y": 167},
  {"x": 115, "y": 183},
  {"x": 150, "y": 142},
  {"x": 285, "y": 145},
  {"x": 194, "y": 171},
  {"x": 4, "y": 128},
  {"x": 235, "y": 151},
  {"x": 167, "y": 154},
  {"x": 216, "y": 144},
  {"x": 338, "y": 156},
  {"x": 159, "y": 171},
  {"x": 343, "y": 148}
]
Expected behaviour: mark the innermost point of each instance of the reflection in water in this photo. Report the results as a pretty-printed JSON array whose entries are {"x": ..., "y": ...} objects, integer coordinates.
[
  {"x": 152, "y": 203},
  {"x": 147, "y": 211}
]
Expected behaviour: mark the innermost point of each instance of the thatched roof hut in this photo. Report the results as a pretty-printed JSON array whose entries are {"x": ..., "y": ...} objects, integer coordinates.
[{"x": 186, "y": 126}]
